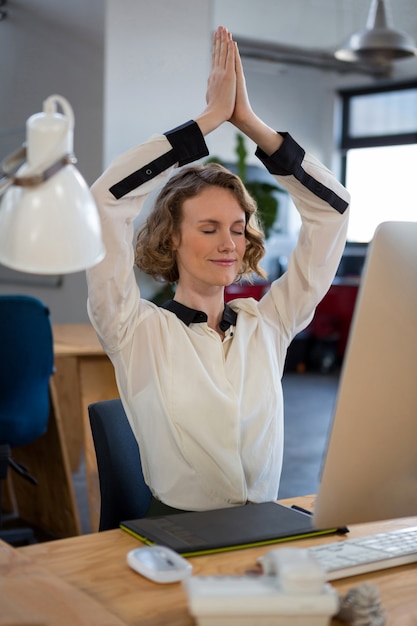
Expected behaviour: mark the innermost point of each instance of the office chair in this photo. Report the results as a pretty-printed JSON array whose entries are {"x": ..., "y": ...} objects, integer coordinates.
[
  {"x": 124, "y": 493},
  {"x": 26, "y": 365}
]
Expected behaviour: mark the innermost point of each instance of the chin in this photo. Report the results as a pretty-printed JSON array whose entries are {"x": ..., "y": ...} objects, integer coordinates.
[{"x": 227, "y": 283}]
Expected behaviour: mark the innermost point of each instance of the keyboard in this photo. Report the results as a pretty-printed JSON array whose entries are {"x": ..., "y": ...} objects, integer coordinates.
[{"x": 351, "y": 557}]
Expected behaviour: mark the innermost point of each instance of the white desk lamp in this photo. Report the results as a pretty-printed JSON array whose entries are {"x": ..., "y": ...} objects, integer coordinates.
[{"x": 49, "y": 222}]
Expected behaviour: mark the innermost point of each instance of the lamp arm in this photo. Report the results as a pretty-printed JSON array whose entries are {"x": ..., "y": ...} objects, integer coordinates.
[
  {"x": 10, "y": 165},
  {"x": 4, "y": 184}
]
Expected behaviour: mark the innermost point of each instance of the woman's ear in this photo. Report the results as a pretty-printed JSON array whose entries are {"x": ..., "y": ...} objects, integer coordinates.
[{"x": 176, "y": 240}]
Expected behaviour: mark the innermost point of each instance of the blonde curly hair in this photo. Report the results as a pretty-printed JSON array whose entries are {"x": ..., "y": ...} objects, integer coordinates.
[{"x": 155, "y": 254}]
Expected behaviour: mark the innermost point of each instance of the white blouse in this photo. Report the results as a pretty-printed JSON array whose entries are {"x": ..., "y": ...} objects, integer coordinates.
[{"x": 207, "y": 413}]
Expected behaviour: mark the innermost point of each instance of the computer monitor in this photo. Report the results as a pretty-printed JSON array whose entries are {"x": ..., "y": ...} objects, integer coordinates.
[{"x": 370, "y": 467}]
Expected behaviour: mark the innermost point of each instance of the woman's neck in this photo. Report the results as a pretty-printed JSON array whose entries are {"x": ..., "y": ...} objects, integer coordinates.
[{"x": 212, "y": 304}]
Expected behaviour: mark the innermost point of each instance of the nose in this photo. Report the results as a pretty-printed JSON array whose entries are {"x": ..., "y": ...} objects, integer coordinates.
[{"x": 227, "y": 243}]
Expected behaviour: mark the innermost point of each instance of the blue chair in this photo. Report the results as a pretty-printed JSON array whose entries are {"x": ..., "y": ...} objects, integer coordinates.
[
  {"x": 26, "y": 365},
  {"x": 124, "y": 493}
]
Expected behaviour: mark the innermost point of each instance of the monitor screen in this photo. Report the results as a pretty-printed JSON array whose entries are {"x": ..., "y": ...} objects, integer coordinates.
[{"x": 370, "y": 468}]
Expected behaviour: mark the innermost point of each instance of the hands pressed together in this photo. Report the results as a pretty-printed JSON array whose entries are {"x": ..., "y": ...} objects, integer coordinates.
[
  {"x": 227, "y": 97},
  {"x": 225, "y": 83}
]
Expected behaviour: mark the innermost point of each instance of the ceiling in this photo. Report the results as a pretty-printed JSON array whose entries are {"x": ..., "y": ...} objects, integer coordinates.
[
  {"x": 308, "y": 23},
  {"x": 308, "y": 32},
  {"x": 320, "y": 24},
  {"x": 291, "y": 31}
]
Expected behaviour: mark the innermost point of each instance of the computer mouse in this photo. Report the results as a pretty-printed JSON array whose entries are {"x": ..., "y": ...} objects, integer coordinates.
[{"x": 159, "y": 563}]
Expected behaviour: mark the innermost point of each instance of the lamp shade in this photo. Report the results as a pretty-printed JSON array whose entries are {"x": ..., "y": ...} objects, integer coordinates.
[
  {"x": 49, "y": 223},
  {"x": 378, "y": 43}
]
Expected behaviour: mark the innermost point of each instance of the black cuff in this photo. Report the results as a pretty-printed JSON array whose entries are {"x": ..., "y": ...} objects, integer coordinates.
[
  {"x": 138, "y": 178},
  {"x": 286, "y": 160},
  {"x": 188, "y": 142},
  {"x": 188, "y": 145}
]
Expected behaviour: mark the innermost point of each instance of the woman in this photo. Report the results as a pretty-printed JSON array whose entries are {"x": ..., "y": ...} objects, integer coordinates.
[{"x": 201, "y": 381}]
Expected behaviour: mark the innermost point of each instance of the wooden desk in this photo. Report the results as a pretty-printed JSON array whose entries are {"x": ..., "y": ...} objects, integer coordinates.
[
  {"x": 83, "y": 374},
  {"x": 30, "y": 594},
  {"x": 96, "y": 565}
]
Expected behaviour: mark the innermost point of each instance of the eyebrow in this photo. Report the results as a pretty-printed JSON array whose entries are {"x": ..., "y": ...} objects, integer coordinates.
[{"x": 211, "y": 221}]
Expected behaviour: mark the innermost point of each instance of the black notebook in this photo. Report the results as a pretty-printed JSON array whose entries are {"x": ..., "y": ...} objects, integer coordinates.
[{"x": 219, "y": 530}]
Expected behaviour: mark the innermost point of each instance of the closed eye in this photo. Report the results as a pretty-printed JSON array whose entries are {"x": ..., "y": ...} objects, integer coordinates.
[
  {"x": 210, "y": 227},
  {"x": 234, "y": 232}
]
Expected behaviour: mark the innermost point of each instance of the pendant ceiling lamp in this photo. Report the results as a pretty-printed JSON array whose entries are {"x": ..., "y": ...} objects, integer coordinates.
[{"x": 378, "y": 43}]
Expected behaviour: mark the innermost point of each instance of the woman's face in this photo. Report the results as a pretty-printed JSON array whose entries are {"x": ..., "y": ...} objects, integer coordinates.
[{"x": 211, "y": 245}]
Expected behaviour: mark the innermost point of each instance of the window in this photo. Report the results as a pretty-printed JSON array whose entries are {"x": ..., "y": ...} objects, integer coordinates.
[{"x": 379, "y": 145}]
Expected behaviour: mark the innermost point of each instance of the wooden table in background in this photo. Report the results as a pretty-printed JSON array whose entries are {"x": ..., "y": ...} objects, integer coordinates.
[
  {"x": 83, "y": 374},
  {"x": 96, "y": 565}
]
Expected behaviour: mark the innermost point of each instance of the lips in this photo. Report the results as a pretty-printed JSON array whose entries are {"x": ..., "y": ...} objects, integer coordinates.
[{"x": 224, "y": 262}]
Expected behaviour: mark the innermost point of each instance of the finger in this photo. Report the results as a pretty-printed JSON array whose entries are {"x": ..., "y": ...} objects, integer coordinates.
[
  {"x": 229, "y": 48},
  {"x": 231, "y": 55},
  {"x": 238, "y": 59},
  {"x": 216, "y": 47},
  {"x": 240, "y": 75},
  {"x": 223, "y": 48}
]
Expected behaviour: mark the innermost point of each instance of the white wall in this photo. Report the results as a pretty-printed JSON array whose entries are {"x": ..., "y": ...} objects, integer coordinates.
[
  {"x": 157, "y": 60},
  {"x": 131, "y": 68},
  {"x": 48, "y": 48}
]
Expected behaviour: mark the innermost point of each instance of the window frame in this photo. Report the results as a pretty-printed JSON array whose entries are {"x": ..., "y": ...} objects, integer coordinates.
[{"x": 347, "y": 142}]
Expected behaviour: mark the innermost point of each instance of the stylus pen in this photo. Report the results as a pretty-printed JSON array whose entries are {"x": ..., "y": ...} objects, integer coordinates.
[
  {"x": 300, "y": 508},
  {"x": 343, "y": 529}
]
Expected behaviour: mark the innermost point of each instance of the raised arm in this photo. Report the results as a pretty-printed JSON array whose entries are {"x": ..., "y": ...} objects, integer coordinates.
[
  {"x": 114, "y": 298},
  {"x": 322, "y": 203}
]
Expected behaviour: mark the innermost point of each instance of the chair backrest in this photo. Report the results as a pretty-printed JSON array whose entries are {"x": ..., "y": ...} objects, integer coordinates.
[
  {"x": 124, "y": 493},
  {"x": 26, "y": 365}
]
